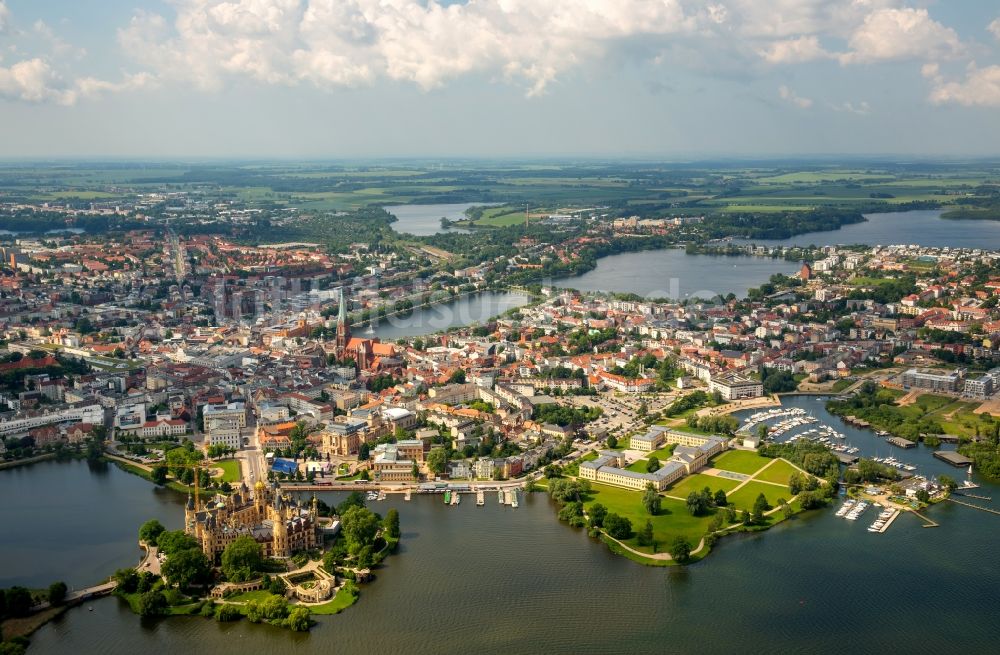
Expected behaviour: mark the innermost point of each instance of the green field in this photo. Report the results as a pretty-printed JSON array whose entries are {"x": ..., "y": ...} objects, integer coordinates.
[
  {"x": 345, "y": 598},
  {"x": 674, "y": 520},
  {"x": 745, "y": 497},
  {"x": 780, "y": 471},
  {"x": 740, "y": 461},
  {"x": 699, "y": 481},
  {"x": 230, "y": 469}
]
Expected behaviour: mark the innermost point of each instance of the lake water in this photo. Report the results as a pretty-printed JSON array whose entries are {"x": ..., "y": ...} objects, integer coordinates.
[
  {"x": 918, "y": 227},
  {"x": 424, "y": 220},
  {"x": 498, "y": 580},
  {"x": 672, "y": 273},
  {"x": 75, "y": 522},
  {"x": 464, "y": 311}
]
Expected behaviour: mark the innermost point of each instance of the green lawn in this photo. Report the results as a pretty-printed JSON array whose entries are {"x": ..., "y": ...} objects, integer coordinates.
[
  {"x": 248, "y": 596},
  {"x": 639, "y": 466},
  {"x": 663, "y": 454},
  {"x": 673, "y": 520},
  {"x": 740, "y": 461},
  {"x": 230, "y": 469},
  {"x": 778, "y": 472},
  {"x": 745, "y": 497},
  {"x": 699, "y": 481},
  {"x": 840, "y": 385},
  {"x": 344, "y": 599}
]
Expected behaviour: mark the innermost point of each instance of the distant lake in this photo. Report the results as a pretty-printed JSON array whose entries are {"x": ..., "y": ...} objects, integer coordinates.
[
  {"x": 464, "y": 311},
  {"x": 922, "y": 227},
  {"x": 672, "y": 273},
  {"x": 424, "y": 220}
]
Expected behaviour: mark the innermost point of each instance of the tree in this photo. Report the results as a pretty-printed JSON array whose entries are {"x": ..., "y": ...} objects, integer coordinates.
[
  {"x": 645, "y": 536},
  {"x": 652, "y": 464},
  {"x": 187, "y": 567},
  {"x": 354, "y": 499},
  {"x": 127, "y": 580},
  {"x": 923, "y": 496},
  {"x": 617, "y": 526},
  {"x": 698, "y": 503},
  {"x": 57, "y": 593},
  {"x": 391, "y": 523},
  {"x": 437, "y": 460},
  {"x": 359, "y": 527},
  {"x": 680, "y": 550},
  {"x": 612, "y": 441},
  {"x": 760, "y": 506},
  {"x": 174, "y": 541},
  {"x": 597, "y": 514},
  {"x": 720, "y": 498},
  {"x": 947, "y": 482},
  {"x": 226, "y": 612},
  {"x": 18, "y": 601},
  {"x": 457, "y": 377},
  {"x": 651, "y": 500},
  {"x": 745, "y": 518},
  {"x": 151, "y": 603},
  {"x": 151, "y": 531},
  {"x": 242, "y": 559},
  {"x": 762, "y": 432},
  {"x": 363, "y": 451},
  {"x": 796, "y": 482},
  {"x": 158, "y": 474},
  {"x": 298, "y": 619}
]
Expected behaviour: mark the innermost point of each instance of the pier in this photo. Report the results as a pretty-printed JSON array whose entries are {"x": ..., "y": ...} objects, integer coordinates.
[
  {"x": 979, "y": 507},
  {"x": 889, "y": 521}
]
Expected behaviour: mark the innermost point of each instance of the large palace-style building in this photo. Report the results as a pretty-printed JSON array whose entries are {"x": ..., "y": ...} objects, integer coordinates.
[{"x": 280, "y": 525}]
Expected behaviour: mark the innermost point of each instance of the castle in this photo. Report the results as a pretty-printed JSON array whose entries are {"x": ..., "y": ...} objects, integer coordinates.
[{"x": 281, "y": 526}]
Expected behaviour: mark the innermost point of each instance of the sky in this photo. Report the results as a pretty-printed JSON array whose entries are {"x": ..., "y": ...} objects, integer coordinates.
[{"x": 341, "y": 79}]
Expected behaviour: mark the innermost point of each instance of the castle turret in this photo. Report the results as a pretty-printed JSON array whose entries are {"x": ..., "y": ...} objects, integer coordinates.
[{"x": 189, "y": 515}]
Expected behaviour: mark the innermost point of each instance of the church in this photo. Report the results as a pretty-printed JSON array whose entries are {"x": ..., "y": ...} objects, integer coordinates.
[{"x": 280, "y": 525}]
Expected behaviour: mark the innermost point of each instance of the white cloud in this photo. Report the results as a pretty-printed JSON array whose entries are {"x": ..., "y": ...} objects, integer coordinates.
[
  {"x": 794, "y": 51},
  {"x": 33, "y": 80},
  {"x": 905, "y": 33},
  {"x": 4, "y": 16},
  {"x": 993, "y": 27},
  {"x": 788, "y": 95},
  {"x": 351, "y": 42},
  {"x": 980, "y": 88},
  {"x": 860, "y": 108}
]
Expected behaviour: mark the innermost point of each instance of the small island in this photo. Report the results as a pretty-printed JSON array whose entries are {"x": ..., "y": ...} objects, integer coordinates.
[{"x": 262, "y": 555}]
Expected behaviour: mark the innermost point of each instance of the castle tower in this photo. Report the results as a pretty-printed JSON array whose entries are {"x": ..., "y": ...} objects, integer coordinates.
[
  {"x": 189, "y": 515},
  {"x": 260, "y": 499},
  {"x": 314, "y": 510},
  {"x": 343, "y": 329}
]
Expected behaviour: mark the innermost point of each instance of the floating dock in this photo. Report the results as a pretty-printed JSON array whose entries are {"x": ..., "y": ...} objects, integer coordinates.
[
  {"x": 952, "y": 457},
  {"x": 480, "y": 498}
]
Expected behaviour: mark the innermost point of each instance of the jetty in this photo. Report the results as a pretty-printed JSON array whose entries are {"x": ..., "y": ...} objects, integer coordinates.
[
  {"x": 480, "y": 498},
  {"x": 979, "y": 507}
]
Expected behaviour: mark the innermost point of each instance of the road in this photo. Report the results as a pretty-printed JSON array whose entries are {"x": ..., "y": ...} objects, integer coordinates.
[{"x": 251, "y": 457}]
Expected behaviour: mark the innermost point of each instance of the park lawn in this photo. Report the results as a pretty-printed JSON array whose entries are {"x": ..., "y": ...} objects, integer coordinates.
[
  {"x": 230, "y": 469},
  {"x": 699, "y": 481},
  {"x": 589, "y": 457},
  {"x": 663, "y": 454},
  {"x": 673, "y": 520},
  {"x": 246, "y": 597},
  {"x": 740, "y": 461},
  {"x": 344, "y": 599},
  {"x": 778, "y": 472},
  {"x": 745, "y": 497},
  {"x": 639, "y": 466}
]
